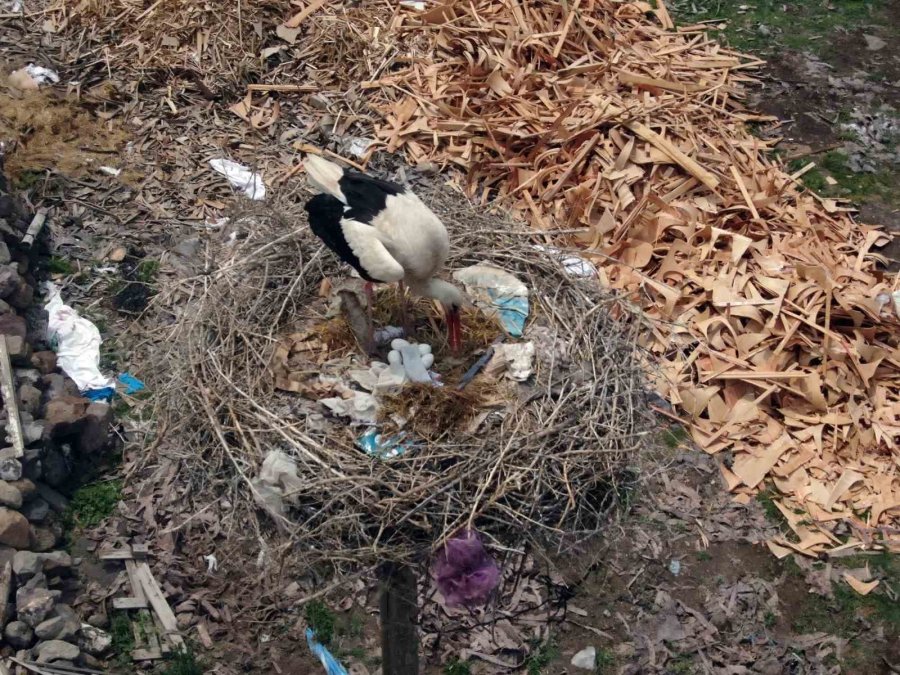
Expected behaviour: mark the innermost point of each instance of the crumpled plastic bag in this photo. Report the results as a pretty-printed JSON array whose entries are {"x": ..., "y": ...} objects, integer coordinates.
[
  {"x": 276, "y": 481},
  {"x": 77, "y": 343},
  {"x": 496, "y": 291},
  {"x": 464, "y": 572},
  {"x": 241, "y": 177}
]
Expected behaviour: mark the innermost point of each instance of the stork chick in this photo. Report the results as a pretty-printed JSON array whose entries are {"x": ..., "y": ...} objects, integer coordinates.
[{"x": 386, "y": 233}]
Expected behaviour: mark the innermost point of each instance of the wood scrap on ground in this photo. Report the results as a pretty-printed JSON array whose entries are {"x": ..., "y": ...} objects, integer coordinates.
[{"x": 775, "y": 330}]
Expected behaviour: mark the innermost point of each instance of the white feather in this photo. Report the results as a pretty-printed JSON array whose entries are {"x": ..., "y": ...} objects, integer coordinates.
[
  {"x": 415, "y": 237},
  {"x": 325, "y": 175},
  {"x": 366, "y": 244}
]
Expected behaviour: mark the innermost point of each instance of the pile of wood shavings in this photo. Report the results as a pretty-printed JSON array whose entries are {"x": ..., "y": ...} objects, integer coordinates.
[{"x": 776, "y": 333}]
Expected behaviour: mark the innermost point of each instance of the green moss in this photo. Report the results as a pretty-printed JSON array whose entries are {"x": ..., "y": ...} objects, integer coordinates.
[
  {"x": 674, "y": 437},
  {"x": 147, "y": 271},
  {"x": 680, "y": 665},
  {"x": 91, "y": 504},
  {"x": 704, "y": 555},
  {"x": 457, "y": 667},
  {"x": 57, "y": 265},
  {"x": 761, "y": 25},
  {"x": 182, "y": 662},
  {"x": 605, "y": 662},
  {"x": 121, "y": 634},
  {"x": 322, "y": 620},
  {"x": 770, "y": 619},
  {"x": 541, "y": 655},
  {"x": 766, "y": 498}
]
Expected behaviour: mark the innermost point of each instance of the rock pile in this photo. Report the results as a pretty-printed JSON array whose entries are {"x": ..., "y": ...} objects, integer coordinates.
[{"x": 58, "y": 427}]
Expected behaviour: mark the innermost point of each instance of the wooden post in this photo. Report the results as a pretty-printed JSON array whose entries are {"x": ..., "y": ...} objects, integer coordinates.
[
  {"x": 399, "y": 620},
  {"x": 10, "y": 400}
]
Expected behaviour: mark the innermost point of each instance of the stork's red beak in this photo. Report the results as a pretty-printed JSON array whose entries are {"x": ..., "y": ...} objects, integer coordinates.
[{"x": 454, "y": 330}]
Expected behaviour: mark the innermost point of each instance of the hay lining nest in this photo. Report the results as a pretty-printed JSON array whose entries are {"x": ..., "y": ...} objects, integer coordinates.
[{"x": 544, "y": 470}]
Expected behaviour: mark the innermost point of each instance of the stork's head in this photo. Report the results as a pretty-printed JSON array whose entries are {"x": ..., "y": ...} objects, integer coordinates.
[{"x": 453, "y": 300}]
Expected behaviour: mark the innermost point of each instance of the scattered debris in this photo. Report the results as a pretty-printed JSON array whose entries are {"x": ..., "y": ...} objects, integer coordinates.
[
  {"x": 32, "y": 77},
  {"x": 241, "y": 177},
  {"x": 496, "y": 291}
]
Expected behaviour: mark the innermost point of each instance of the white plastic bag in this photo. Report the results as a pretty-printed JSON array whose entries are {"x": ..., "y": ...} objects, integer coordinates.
[{"x": 77, "y": 343}]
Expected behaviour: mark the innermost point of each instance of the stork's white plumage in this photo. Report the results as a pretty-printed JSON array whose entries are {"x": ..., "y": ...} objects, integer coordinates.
[{"x": 385, "y": 232}]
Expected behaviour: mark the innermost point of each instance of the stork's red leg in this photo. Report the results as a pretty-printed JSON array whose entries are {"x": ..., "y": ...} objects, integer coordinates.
[
  {"x": 404, "y": 311},
  {"x": 370, "y": 313}
]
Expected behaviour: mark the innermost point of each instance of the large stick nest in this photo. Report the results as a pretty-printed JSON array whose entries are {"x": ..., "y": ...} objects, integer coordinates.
[{"x": 545, "y": 469}]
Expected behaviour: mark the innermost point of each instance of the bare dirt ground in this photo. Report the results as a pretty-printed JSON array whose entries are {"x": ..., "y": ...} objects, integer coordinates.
[{"x": 682, "y": 583}]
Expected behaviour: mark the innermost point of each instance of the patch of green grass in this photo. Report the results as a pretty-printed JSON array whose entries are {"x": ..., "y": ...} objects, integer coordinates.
[
  {"x": 92, "y": 503},
  {"x": 58, "y": 265},
  {"x": 766, "y": 498},
  {"x": 457, "y": 667},
  {"x": 28, "y": 179},
  {"x": 848, "y": 184},
  {"x": 541, "y": 655},
  {"x": 770, "y": 619},
  {"x": 182, "y": 662},
  {"x": 322, "y": 620},
  {"x": 147, "y": 270},
  {"x": 605, "y": 662},
  {"x": 704, "y": 555},
  {"x": 680, "y": 665},
  {"x": 122, "y": 637},
  {"x": 357, "y": 653},
  {"x": 674, "y": 437},
  {"x": 762, "y": 25}
]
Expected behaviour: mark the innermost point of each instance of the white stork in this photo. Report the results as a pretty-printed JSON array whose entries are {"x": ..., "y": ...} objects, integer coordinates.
[{"x": 386, "y": 233}]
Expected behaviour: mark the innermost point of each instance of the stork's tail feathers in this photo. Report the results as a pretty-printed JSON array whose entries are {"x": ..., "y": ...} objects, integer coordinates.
[{"x": 325, "y": 175}]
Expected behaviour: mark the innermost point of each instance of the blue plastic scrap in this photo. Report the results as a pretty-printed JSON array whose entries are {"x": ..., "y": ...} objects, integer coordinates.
[
  {"x": 513, "y": 310},
  {"x": 132, "y": 384},
  {"x": 104, "y": 394},
  {"x": 374, "y": 445},
  {"x": 331, "y": 664}
]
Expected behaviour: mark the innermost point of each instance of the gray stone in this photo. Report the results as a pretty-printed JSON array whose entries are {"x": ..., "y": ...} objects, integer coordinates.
[
  {"x": 18, "y": 634},
  {"x": 19, "y": 350},
  {"x": 50, "y": 629},
  {"x": 35, "y": 602},
  {"x": 7, "y": 553},
  {"x": 27, "y": 564},
  {"x": 30, "y": 376},
  {"x": 56, "y": 563},
  {"x": 96, "y": 433},
  {"x": 30, "y": 398},
  {"x": 32, "y": 468},
  {"x": 25, "y": 487},
  {"x": 10, "y": 495},
  {"x": 94, "y": 641},
  {"x": 64, "y": 625},
  {"x": 43, "y": 539},
  {"x": 33, "y": 431},
  {"x": 55, "y": 467},
  {"x": 14, "y": 529},
  {"x": 56, "y": 650},
  {"x": 56, "y": 501},
  {"x": 36, "y": 510},
  {"x": 9, "y": 280},
  {"x": 98, "y": 620},
  {"x": 5, "y": 258},
  {"x": 10, "y": 468}
]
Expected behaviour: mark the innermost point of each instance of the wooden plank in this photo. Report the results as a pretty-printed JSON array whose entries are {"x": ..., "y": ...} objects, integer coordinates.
[
  {"x": 676, "y": 155},
  {"x": 158, "y": 602},
  {"x": 10, "y": 399},
  {"x": 146, "y": 655},
  {"x": 136, "y": 586},
  {"x": 303, "y": 14},
  {"x": 116, "y": 554},
  {"x": 129, "y": 603},
  {"x": 140, "y": 551}
]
